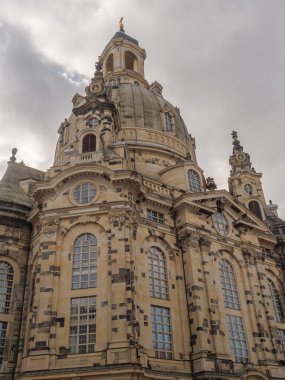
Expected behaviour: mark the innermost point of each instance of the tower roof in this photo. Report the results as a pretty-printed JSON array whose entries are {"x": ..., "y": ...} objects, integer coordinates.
[
  {"x": 12, "y": 196},
  {"x": 121, "y": 34}
]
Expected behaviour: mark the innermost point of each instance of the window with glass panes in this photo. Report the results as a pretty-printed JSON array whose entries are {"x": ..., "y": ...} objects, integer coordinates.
[
  {"x": 6, "y": 284},
  {"x": 92, "y": 123},
  {"x": 3, "y": 329},
  {"x": 113, "y": 82},
  {"x": 194, "y": 181},
  {"x": 155, "y": 216},
  {"x": 84, "y": 262},
  {"x": 169, "y": 124},
  {"x": 82, "y": 331},
  {"x": 89, "y": 143},
  {"x": 221, "y": 224},
  {"x": 255, "y": 208},
  {"x": 157, "y": 272},
  {"x": 229, "y": 286},
  {"x": 161, "y": 332},
  {"x": 278, "y": 312},
  {"x": 237, "y": 338},
  {"x": 248, "y": 188},
  {"x": 84, "y": 193},
  {"x": 281, "y": 336}
]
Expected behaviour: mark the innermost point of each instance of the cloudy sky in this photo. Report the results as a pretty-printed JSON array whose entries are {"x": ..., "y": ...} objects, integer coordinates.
[{"x": 222, "y": 62}]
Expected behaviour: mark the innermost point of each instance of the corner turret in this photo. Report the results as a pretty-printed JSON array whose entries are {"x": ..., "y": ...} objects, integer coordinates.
[{"x": 245, "y": 184}]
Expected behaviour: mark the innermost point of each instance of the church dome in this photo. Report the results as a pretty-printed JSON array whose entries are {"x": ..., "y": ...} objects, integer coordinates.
[
  {"x": 139, "y": 107},
  {"x": 120, "y": 102}
]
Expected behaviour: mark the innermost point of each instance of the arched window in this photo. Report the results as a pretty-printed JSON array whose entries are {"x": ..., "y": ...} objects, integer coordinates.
[
  {"x": 157, "y": 273},
  {"x": 89, "y": 143},
  {"x": 229, "y": 287},
  {"x": 255, "y": 208},
  {"x": 194, "y": 181},
  {"x": 278, "y": 312},
  {"x": 6, "y": 283},
  {"x": 110, "y": 63},
  {"x": 221, "y": 223},
  {"x": 169, "y": 122},
  {"x": 248, "y": 188},
  {"x": 84, "y": 263},
  {"x": 130, "y": 60}
]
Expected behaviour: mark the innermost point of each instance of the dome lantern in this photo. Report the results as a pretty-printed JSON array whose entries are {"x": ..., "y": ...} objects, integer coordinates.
[{"x": 123, "y": 59}]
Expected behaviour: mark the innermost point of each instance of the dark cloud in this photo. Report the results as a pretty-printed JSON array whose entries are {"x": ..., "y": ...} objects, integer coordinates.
[
  {"x": 220, "y": 61},
  {"x": 36, "y": 95}
]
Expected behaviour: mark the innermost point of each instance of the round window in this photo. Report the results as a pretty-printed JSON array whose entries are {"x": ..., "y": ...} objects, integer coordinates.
[
  {"x": 248, "y": 188},
  {"x": 221, "y": 224},
  {"x": 84, "y": 193}
]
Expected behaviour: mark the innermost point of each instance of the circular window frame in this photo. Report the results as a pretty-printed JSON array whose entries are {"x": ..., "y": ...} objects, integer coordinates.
[
  {"x": 227, "y": 220},
  {"x": 73, "y": 188},
  {"x": 248, "y": 184}
]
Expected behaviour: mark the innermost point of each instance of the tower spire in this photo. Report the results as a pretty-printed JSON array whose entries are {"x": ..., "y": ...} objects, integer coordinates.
[
  {"x": 239, "y": 160},
  {"x": 236, "y": 142}
]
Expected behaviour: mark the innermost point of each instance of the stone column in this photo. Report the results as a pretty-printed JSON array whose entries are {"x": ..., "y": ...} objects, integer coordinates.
[
  {"x": 196, "y": 297},
  {"x": 45, "y": 274},
  {"x": 122, "y": 277}
]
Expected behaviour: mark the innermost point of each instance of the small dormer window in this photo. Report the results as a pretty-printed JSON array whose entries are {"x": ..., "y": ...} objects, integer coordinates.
[
  {"x": 110, "y": 64},
  {"x": 113, "y": 83},
  {"x": 130, "y": 60},
  {"x": 255, "y": 208},
  {"x": 169, "y": 122},
  {"x": 92, "y": 123},
  {"x": 194, "y": 181},
  {"x": 248, "y": 188}
]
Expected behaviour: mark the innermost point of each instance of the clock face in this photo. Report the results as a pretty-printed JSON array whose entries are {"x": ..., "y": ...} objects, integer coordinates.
[
  {"x": 95, "y": 87},
  {"x": 240, "y": 156}
]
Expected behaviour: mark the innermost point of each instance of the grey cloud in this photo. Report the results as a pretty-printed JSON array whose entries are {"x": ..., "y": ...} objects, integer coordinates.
[{"x": 35, "y": 94}]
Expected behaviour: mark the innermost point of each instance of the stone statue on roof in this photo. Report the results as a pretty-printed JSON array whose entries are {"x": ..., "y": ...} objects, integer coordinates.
[{"x": 121, "y": 25}]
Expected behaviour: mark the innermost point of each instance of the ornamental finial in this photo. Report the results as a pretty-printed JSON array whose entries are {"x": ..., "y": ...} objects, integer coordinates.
[
  {"x": 121, "y": 25},
  {"x": 236, "y": 142},
  {"x": 13, "y": 158}
]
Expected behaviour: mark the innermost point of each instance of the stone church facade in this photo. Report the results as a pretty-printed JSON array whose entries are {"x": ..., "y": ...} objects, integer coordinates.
[{"x": 122, "y": 261}]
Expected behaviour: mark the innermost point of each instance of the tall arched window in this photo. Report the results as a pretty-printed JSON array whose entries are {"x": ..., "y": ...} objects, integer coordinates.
[
  {"x": 229, "y": 286},
  {"x": 89, "y": 143},
  {"x": 84, "y": 263},
  {"x": 6, "y": 283},
  {"x": 169, "y": 122},
  {"x": 130, "y": 60},
  {"x": 278, "y": 312},
  {"x": 157, "y": 273},
  {"x": 194, "y": 181},
  {"x": 255, "y": 208},
  {"x": 110, "y": 63}
]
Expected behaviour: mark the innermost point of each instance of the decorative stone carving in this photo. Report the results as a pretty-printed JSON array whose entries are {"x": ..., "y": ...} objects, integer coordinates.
[
  {"x": 210, "y": 183},
  {"x": 221, "y": 202},
  {"x": 106, "y": 135},
  {"x": 118, "y": 216},
  {"x": 251, "y": 256},
  {"x": 185, "y": 239},
  {"x": 203, "y": 241},
  {"x": 50, "y": 226}
]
